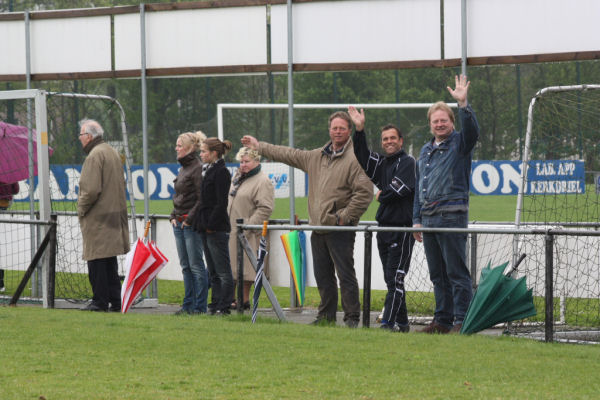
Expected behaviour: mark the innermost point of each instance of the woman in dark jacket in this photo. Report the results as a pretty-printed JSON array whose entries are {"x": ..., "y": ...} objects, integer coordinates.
[
  {"x": 186, "y": 203},
  {"x": 213, "y": 223}
]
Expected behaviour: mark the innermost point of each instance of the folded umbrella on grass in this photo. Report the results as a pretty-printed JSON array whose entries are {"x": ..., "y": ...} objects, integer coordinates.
[
  {"x": 143, "y": 262},
  {"x": 499, "y": 298}
]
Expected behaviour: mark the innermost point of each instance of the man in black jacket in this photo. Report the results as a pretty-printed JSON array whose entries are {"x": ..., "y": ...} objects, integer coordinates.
[{"x": 394, "y": 175}]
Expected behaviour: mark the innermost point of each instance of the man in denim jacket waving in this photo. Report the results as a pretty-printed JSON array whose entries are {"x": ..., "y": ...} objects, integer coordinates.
[{"x": 442, "y": 201}]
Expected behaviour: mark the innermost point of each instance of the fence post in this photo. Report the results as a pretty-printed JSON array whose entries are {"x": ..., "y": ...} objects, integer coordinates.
[
  {"x": 240, "y": 269},
  {"x": 549, "y": 296},
  {"x": 473, "y": 260},
  {"x": 153, "y": 288},
  {"x": 52, "y": 261},
  {"x": 367, "y": 279}
]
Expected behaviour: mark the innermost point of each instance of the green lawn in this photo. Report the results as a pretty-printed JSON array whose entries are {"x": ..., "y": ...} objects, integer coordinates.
[
  {"x": 483, "y": 208},
  {"x": 68, "y": 354}
]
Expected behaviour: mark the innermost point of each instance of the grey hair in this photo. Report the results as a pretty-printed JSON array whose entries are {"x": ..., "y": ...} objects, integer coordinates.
[
  {"x": 92, "y": 127},
  {"x": 244, "y": 151}
]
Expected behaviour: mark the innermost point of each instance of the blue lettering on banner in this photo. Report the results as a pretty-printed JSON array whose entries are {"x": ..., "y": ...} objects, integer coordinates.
[
  {"x": 64, "y": 182},
  {"x": 543, "y": 177}
]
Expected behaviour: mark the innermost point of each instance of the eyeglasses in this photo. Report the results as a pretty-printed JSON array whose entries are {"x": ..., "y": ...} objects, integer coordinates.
[{"x": 81, "y": 134}]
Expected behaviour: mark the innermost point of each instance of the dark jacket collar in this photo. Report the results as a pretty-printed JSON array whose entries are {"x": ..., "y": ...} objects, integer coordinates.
[
  {"x": 187, "y": 159},
  {"x": 328, "y": 149}
]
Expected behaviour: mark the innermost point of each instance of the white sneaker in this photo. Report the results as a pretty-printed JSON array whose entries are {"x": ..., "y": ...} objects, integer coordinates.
[
  {"x": 2, "y": 289},
  {"x": 380, "y": 318}
]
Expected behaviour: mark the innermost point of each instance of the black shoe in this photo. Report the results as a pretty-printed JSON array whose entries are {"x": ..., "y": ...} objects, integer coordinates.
[
  {"x": 114, "y": 308},
  {"x": 93, "y": 307},
  {"x": 246, "y": 305},
  {"x": 351, "y": 323},
  {"x": 182, "y": 311}
]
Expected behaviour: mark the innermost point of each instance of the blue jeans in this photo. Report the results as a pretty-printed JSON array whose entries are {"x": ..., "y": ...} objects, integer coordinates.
[
  {"x": 216, "y": 250},
  {"x": 195, "y": 278},
  {"x": 446, "y": 257}
]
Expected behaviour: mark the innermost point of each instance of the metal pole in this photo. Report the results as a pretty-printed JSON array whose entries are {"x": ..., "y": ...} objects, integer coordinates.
[
  {"x": 153, "y": 293},
  {"x": 41, "y": 125},
  {"x": 144, "y": 110},
  {"x": 240, "y": 265},
  {"x": 52, "y": 262},
  {"x": 33, "y": 230},
  {"x": 519, "y": 113},
  {"x": 270, "y": 77},
  {"x": 579, "y": 132},
  {"x": 290, "y": 71},
  {"x": 474, "y": 260},
  {"x": 367, "y": 279},
  {"x": 549, "y": 296},
  {"x": 463, "y": 35},
  {"x": 220, "y": 121}
]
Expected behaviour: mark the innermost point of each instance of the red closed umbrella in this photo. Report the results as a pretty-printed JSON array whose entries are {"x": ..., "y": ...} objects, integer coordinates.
[{"x": 143, "y": 262}]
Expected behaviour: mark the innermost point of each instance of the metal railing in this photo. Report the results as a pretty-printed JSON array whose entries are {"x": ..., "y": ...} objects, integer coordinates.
[{"x": 368, "y": 228}]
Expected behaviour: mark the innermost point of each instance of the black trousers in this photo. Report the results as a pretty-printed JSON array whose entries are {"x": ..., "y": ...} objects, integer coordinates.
[
  {"x": 104, "y": 278},
  {"x": 395, "y": 251}
]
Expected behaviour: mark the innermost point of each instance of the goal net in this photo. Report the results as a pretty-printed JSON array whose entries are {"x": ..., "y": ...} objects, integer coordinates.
[
  {"x": 60, "y": 178},
  {"x": 560, "y": 186}
]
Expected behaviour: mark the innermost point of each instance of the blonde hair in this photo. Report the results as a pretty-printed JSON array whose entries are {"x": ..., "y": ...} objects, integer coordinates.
[
  {"x": 244, "y": 151},
  {"x": 440, "y": 105},
  {"x": 193, "y": 139},
  {"x": 214, "y": 144}
]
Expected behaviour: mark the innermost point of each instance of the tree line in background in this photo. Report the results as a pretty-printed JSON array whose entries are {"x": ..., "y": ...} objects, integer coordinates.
[{"x": 500, "y": 96}]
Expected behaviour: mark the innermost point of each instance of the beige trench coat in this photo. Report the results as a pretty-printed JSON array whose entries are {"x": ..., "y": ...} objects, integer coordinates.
[
  {"x": 101, "y": 206},
  {"x": 253, "y": 203}
]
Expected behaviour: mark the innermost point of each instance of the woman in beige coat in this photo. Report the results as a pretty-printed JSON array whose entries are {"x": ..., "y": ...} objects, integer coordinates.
[{"x": 251, "y": 198}]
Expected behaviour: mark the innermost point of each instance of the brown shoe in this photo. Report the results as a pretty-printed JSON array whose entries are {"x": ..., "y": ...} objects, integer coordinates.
[
  {"x": 434, "y": 327},
  {"x": 456, "y": 328}
]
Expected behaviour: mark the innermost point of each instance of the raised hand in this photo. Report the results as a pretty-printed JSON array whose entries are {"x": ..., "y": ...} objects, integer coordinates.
[
  {"x": 250, "y": 142},
  {"x": 460, "y": 91},
  {"x": 358, "y": 117}
]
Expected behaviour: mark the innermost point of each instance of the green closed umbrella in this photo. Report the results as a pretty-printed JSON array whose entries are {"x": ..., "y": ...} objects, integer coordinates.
[{"x": 499, "y": 298}]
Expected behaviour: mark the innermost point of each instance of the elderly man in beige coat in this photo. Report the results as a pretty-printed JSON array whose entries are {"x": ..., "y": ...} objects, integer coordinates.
[
  {"x": 102, "y": 212},
  {"x": 339, "y": 193}
]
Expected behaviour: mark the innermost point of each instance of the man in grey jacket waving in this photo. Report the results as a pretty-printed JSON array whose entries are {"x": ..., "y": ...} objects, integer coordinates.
[
  {"x": 339, "y": 192},
  {"x": 442, "y": 201}
]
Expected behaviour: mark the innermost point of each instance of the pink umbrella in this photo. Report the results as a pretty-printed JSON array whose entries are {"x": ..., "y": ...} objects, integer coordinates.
[{"x": 14, "y": 151}]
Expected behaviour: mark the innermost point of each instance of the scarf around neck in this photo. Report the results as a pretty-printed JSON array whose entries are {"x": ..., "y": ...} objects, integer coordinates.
[{"x": 239, "y": 178}]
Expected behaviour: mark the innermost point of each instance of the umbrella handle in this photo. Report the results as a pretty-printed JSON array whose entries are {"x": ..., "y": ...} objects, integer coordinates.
[
  {"x": 521, "y": 258},
  {"x": 264, "y": 230},
  {"x": 146, "y": 229}
]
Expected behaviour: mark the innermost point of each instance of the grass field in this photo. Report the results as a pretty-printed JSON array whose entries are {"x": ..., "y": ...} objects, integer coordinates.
[
  {"x": 67, "y": 354},
  {"x": 482, "y": 208}
]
